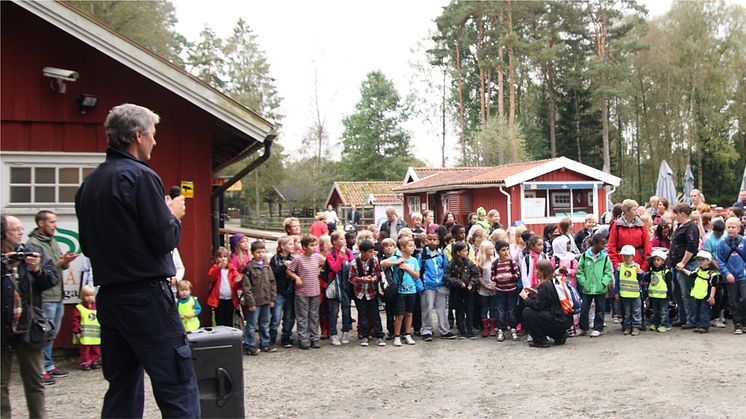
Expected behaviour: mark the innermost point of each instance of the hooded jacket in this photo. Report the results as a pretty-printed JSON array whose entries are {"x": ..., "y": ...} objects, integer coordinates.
[
  {"x": 433, "y": 266},
  {"x": 735, "y": 247},
  {"x": 634, "y": 234},
  {"x": 594, "y": 273},
  {"x": 50, "y": 248}
]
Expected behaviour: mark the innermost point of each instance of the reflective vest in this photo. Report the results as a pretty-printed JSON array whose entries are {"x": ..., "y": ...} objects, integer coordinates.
[
  {"x": 188, "y": 308},
  {"x": 629, "y": 287},
  {"x": 90, "y": 330},
  {"x": 701, "y": 284},
  {"x": 658, "y": 287}
]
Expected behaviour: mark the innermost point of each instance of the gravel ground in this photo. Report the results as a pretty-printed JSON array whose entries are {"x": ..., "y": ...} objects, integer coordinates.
[{"x": 678, "y": 374}]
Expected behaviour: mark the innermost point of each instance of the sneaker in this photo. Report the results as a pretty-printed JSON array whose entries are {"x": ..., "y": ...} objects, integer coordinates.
[
  {"x": 47, "y": 380},
  {"x": 364, "y": 342},
  {"x": 335, "y": 340},
  {"x": 652, "y": 328},
  {"x": 662, "y": 329},
  {"x": 626, "y": 332},
  {"x": 427, "y": 337},
  {"x": 95, "y": 366},
  {"x": 252, "y": 352},
  {"x": 529, "y": 339},
  {"x": 698, "y": 330},
  {"x": 571, "y": 333},
  {"x": 580, "y": 332},
  {"x": 635, "y": 331},
  {"x": 471, "y": 335},
  {"x": 85, "y": 367},
  {"x": 304, "y": 345},
  {"x": 58, "y": 373},
  {"x": 397, "y": 341},
  {"x": 514, "y": 335},
  {"x": 315, "y": 345},
  {"x": 719, "y": 324},
  {"x": 269, "y": 349},
  {"x": 345, "y": 338},
  {"x": 595, "y": 334},
  {"x": 544, "y": 344},
  {"x": 500, "y": 335},
  {"x": 687, "y": 326},
  {"x": 616, "y": 320},
  {"x": 381, "y": 342},
  {"x": 449, "y": 335},
  {"x": 408, "y": 340},
  {"x": 738, "y": 330}
]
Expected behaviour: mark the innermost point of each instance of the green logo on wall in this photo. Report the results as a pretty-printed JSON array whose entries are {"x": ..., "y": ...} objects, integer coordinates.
[{"x": 68, "y": 238}]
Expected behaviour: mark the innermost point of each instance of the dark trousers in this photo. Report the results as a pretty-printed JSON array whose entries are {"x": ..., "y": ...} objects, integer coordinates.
[
  {"x": 224, "y": 313},
  {"x": 506, "y": 310},
  {"x": 367, "y": 310},
  {"x": 659, "y": 312},
  {"x": 141, "y": 331},
  {"x": 463, "y": 302},
  {"x": 701, "y": 314},
  {"x": 390, "y": 313},
  {"x": 417, "y": 314},
  {"x": 30, "y": 365},
  {"x": 585, "y": 310},
  {"x": 541, "y": 324},
  {"x": 333, "y": 316},
  {"x": 737, "y": 301}
]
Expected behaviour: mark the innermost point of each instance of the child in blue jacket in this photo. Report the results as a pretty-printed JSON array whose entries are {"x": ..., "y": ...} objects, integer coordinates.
[
  {"x": 435, "y": 295},
  {"x": 731, "y": 258}
]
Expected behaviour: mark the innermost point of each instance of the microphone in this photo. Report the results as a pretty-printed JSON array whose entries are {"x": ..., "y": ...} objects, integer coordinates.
[{"x": 174, "y": 192}]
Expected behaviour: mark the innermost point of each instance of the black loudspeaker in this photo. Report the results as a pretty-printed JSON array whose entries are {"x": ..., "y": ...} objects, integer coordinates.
[{"x": 217, "y": 358}]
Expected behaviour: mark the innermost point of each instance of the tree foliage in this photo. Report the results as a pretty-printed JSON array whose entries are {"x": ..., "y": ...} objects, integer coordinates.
[{"x": 374, "y": 144}]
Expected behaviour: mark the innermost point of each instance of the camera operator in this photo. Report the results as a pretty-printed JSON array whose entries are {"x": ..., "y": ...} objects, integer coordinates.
[{"x": 24, "y": 270}]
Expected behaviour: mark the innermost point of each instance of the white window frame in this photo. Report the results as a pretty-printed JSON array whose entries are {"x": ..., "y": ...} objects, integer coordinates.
[
  {"x": 561, "y": 193},
  {"x": 413, "y": 204},
  {"x": 545, "y": 220},
  {"x": 56, "y": 160}
]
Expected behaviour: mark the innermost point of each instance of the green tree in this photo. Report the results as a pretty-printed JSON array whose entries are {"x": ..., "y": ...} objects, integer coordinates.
[
  {"x": 374, "y": 144},
  {"x": 206, "y": 60},
  {"x": 149, "y": 23}
]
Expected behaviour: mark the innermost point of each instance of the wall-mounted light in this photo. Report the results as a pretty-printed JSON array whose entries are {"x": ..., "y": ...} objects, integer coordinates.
[{"x": 86, "y": 102}]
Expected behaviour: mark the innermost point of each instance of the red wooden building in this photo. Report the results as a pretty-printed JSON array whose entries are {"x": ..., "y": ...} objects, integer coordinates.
[
  {"x": 536, "y": 193},
  {"x": 50, "y": 142}
]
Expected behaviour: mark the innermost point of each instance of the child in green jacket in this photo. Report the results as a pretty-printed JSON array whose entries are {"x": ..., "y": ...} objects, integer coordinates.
[{"x": 593, "y": 276}]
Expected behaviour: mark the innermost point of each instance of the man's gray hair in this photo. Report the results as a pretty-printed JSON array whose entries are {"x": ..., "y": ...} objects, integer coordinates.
[{"x": 124, "y": 121}]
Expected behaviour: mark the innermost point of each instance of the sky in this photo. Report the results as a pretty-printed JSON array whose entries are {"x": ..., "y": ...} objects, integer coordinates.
[{"x": 338, "y": 43}]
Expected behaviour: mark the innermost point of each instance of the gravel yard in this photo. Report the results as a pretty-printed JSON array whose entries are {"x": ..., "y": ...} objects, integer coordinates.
[{"x": 678, "y": 374}]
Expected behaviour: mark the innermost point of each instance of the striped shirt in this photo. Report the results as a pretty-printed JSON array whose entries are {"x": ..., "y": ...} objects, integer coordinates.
[
  {"x": 505, "y": 278},
  {"x": 307, "y": 267}
]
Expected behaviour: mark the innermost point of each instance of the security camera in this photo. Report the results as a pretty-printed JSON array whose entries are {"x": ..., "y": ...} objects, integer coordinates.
[{"x": 60, "y": 74}]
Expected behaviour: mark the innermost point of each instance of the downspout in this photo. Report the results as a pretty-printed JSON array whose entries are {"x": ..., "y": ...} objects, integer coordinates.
[
  {"x": 608, "y": 199},
  {"x": 220, "y": 190},
  {"x": 510, "y": 209}
]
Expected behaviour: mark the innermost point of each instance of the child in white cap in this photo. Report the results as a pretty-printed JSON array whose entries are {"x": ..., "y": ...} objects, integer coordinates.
[
  {"x": 658, "y": 281},
  {"x": 706, "y": 280},
  {"x": 627, "y": 288}
]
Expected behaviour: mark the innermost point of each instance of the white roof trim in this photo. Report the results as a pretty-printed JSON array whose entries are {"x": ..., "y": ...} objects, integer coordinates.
[
  {"x": 151, "y": 66},
  {"x": 411, "y": 174},
  {"x": 331, "y": 192},
  {"x": 559, "y": 163}
]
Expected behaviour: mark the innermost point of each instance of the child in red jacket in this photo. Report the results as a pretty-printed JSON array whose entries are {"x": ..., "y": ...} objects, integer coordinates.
[
  {"x": 225, "y": 281},
  {"x": 86, "y": 329}
]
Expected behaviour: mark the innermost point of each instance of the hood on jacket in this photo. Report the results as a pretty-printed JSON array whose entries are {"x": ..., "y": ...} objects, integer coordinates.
[
  {"x": 637, "y": 222},
  {"x": 560, "y": 245},
  {"x": 39, "y": 235}
]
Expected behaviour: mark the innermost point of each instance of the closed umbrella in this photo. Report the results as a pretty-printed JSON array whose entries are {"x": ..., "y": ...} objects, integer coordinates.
[
  {"x": 688, "y": 185},
  {"x": 665, "y": 187}
]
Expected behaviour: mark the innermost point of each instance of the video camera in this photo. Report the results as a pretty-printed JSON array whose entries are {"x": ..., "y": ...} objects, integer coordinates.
[{"x": 19, "y": 256}]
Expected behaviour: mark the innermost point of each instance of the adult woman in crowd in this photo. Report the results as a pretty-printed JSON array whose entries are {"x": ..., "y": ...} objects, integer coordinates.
[
  {"x": 448, "y": 220},
  {"x": 543, "y": 316},
  {"x": 428, "y": 221},
  {"x": 660, "y": 209},
  {"x": 684, "y": 245},
  {"x": 291, "y": 225},
  {"x": 629, "y": 230}
]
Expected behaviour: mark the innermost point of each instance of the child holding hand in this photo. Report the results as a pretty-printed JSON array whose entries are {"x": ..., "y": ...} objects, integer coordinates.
[{"x": 627, "y": 287}]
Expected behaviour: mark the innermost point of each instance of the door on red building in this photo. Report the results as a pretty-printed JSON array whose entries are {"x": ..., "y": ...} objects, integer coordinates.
[{"x": 432, "y": 204}]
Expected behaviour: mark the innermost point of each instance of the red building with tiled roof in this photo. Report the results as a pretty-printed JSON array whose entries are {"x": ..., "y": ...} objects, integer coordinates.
[
  {"x": 536, "y": 192},
  {"x": 371, "y": 198}
]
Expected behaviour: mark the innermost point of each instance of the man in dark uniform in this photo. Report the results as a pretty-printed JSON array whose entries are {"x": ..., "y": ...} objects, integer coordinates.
[{"x": 128, "y": 230}]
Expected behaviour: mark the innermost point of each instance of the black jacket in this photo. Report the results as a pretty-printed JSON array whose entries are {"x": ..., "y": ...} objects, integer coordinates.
[
  {"x": 285, "y": 285},
  {"x": 684, "y": 238},
  {"x": 45, "y": 279},
  {"x": 126, "y": 229},
  {"x": 457, "y": 274},
  {"x": 386, "y": 226},
  {"x": 547, "y": 303}
]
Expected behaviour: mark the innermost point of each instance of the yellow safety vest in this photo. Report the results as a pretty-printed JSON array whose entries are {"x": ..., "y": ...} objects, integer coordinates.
[
  {"x": 629, "y": 287},
  {"x": 188, "y": 308},
  {"x": 658, "y": 287},
  {"x": 90, "y": 330},
  {"x": 701, "y": 284}
]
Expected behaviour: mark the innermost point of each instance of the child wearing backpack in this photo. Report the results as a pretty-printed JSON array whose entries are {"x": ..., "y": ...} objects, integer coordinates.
[
  {"x": 435, "y": 293},
  {"x": 566, "y": 266},
  {"x": 337, "y": 266},
  {"x": 388, "y": 249},
  {"x": 731, "y": 258},
  {"x": 365, "y": 273},
  {"x": 505, "y": 277},
  {"x": 593, "y": 276},
  {"x": 658, "y": 282},
  {"x": 487, "y": 289},
  {"x": 462, "y": 275},
  {"x": 407, "y": 275},
  {"x": 627, "y": 288}
]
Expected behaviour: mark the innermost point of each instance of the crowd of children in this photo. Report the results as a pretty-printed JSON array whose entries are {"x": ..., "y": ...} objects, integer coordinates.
[{"x": 472, "y": 282}]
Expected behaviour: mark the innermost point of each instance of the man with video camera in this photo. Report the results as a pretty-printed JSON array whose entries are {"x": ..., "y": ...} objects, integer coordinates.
[{"x": 26, "y": 272}]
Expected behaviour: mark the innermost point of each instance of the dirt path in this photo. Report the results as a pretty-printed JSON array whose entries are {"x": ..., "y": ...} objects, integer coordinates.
[{"x": 679, "y": 374}]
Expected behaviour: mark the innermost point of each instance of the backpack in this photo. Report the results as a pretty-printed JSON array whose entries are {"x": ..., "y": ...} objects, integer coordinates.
[
  {"x": 390, "y": 284},
  {"x": 569, "y": 297},
  {"x": 425, "y": 256}
]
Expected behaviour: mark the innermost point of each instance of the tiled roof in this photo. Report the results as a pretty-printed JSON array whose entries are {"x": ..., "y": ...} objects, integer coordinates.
[
  {"x": 386, "y": 199},
  {"x": 422, "y": 172},
  {"x": 358, "y": 192},
  {"x": 458, "y": 176}
]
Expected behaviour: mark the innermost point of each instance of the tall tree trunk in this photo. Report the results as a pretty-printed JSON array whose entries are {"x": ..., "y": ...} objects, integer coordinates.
[
  {"x": 443, "y": 120},
  {"x": 461, "y": 103},
  {"x": 638, "y": 150},
  {"x": 551, "y": 109},
  {"x": 599, "y": 26},
  {"x": 480, "y": 65},
  {"x": 605, "y": 132},
  {"x": 511, "y": 71},
  {"x": 501, "y": 74}
]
